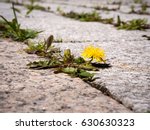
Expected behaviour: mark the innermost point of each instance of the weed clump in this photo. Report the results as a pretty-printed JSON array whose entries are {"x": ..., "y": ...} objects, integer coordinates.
[
  {"x": 142, "y": 11},
  {"x": 135, "y": 24},
  {"x": 43, "y": 48},
  {"x": 87, "y": 17},
  {"x": 66, "y": 62},
  {"x": 12, "y": 29}
]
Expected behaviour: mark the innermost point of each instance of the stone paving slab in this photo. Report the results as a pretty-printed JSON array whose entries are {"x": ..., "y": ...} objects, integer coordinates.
[
  {"x": 72, "y": 30},
  {"x": 128, "y": 81},
  {"x": 25, "y": 90}
]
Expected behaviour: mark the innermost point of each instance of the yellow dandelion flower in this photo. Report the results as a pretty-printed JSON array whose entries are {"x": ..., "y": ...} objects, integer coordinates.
[{"x": 94, "y": 53}]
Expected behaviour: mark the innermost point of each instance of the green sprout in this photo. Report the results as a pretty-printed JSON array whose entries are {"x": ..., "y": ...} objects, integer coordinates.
[
  {"x": 144, "y": 7},
  {"x": 12, "y": 29},
  {"x": 32, "y": 6},
  {"x": 59, "y": 10},
  {"x": 132, "y": 9},
  {"x": 44, "y": 49}
]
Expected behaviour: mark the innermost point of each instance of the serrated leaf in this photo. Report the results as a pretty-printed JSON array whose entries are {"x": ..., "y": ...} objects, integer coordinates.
[
  {"x": 69, "y": 70},
  {"x": 68, "y": 57},
  {"x": 49, "y": 41},
  {"x": 43, "y": 64},
  {"x": 38, "y": 64},
  {"x": 79, "y": 60},
  {"x": 85, "y": 74}
]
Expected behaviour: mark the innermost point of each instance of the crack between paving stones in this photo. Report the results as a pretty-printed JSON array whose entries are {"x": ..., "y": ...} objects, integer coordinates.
[
  {"x": 62, "y": 3},
  {"x": 101, "y": 87},
  {"x": 53, "y": 12},
  {"x": 96, "y": 41}
]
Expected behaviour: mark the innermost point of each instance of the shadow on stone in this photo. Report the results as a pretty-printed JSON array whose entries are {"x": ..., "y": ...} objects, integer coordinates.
[{"x": 102, "y": 66}]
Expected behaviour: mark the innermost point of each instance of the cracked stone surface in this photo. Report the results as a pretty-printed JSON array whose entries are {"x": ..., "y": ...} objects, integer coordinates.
[
  {"x": 25, "y": 90},
  {"x": 127, "y": 81}
]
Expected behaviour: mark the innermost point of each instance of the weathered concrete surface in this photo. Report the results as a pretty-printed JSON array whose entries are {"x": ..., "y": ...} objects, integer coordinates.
[
  {"x": 128, "y": 81},
  {"x": 25, "y": 90}
]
